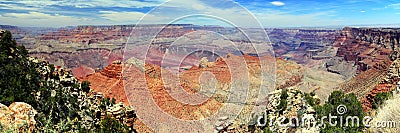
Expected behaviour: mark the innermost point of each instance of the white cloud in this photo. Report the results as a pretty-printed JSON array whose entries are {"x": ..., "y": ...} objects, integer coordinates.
[
  {"x": 230, "y": 12},
  {"x": 394, "y": 6},
  {"x": 277, "y": 3},
  {"x": 39, "y": 19},
  {"x": 128, "y": 17},
  {"x": 168, "y": 12},
  {"x": 16, "y": 7},
  {"x": 90, "y": 4},
  {"x": 362, "y": 11}
]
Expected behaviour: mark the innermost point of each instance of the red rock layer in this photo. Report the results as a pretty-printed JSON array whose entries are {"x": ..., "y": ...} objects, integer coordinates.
[
  {"x": 108, "y": 82},
  {"x": 367, "y": 47},
  {"x": 100, "y": 34},
  {"x": 364, "y": 82},
  {"x": 82, "y": 71},
  {"x": 370, "y": 49},
  {"x": 113, "y": 71},
  {"x": 367, "y": 100},
  {"x": 225, "y": 70}
]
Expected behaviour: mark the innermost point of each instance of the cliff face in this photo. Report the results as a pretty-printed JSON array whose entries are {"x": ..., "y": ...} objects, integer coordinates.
[
  {"x": 387, "y": 84},
  {"x": 301, "y": 45},
  {"x": 93, "y": 58},
  {"x": 374, "y": 51},
  {"x": 108, "y": 82},
  {"x": 386, "y": 38},
  {"x": 368, "y": 47},
  {"x": 89, "y": 35}
]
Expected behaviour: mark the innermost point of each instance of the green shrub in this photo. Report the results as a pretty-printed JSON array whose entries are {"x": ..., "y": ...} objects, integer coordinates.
[
  {"x": 85, "y": 85},
  {"x": 111, "y": 125},
  {"x": 380, "y": 98},
  {"x": 354, "y": 108},
  {"x": 309, "y": 97},
  {"x": 283, "y": 102}
]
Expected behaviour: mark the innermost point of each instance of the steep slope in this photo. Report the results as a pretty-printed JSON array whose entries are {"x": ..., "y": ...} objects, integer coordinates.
[
  {"x": 160, "y": 83},
  {"x": 372, "y": 50},
  {"x": 108, "y": 82}
]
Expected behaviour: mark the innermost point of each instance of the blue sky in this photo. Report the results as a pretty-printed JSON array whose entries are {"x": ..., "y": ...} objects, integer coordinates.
[{"x": 270, "y": 13}]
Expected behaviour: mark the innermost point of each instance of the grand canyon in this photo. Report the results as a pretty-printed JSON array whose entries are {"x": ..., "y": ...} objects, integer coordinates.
[
  {"x": 184, "y": 59},
  {"x": 214, "y": 66}
]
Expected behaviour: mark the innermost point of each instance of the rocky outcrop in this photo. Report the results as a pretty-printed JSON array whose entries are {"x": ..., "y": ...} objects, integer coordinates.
[
  {"x": 87, "y": 101},
  {"x": 121, "y": 112},
  {"x": 387, "y": 84},
  {"x": 339, "y": 66},
  {"x": 1, "y": 32},
  {"x": 372, "y": 50},
  {"x": 367, "y": 47},
  {"x": 114, "y": 70},
  {"x": 296, "y": 106},
  {"x": 205, "y": 63},
  {"x": 393, "y": 74},
  {"x": 369, "y": 98},
  {"x": 18, "y": 117},
  {"x": 108, "y": 81}
]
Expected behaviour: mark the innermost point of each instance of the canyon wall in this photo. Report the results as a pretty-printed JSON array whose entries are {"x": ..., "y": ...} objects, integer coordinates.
[{"x": 368, "y": 47}]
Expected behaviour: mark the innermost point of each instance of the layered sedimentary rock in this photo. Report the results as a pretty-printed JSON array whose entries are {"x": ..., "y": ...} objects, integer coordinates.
[
  {"x": 387, "y": 84},
  {"x": 301, "y": 45},
  {"x": 367, "y": 47},
  {"x": 393, "y": 74},
  {"x": 159, "y": 84},
  {"x": 374, "y": 51},
  {"x": 364, "y": 82},
  {"x": 369, "y": 98},
  {"x": 108, "y": 82},
  {"x": 96, "y": 58}
]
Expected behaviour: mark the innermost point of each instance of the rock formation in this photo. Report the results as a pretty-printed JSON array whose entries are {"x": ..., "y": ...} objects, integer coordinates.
[
  {"x": 367, "y": 47},
  {"x": 19, "y": 113},
  {"x": 369, "y": 98},
  {"x": 372, "y": 50},
  {"x": 82, "y": 71},
  {"x": 108, "y": 82},
  {"x": 386, "y": 84},
  {"x": 339, "y": 66},
  {"x": 393, "y": 74},
  {"x": 18, "y": 117},
  {"x": 302, "y": 45},
  {"x": 295, "y": 104},
  {"x": 1, "y": 32}
]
